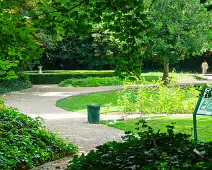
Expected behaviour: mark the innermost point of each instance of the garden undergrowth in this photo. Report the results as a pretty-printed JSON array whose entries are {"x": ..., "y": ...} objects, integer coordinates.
[
  {"x": 25, "y": 143},
  {"x": 148, "y": 149}
]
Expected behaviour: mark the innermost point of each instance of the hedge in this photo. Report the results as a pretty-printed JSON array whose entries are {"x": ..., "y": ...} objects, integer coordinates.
[
  {"x": 92, "y": 82},
  {"x": 11, "y": 85},
  {"x": 56, "y": 78}
]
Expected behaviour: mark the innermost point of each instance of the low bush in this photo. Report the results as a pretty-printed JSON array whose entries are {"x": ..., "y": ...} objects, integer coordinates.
[
  {"x": 56, "y": 78},
  {"x": 127, "y": 101},
  {"x": 2, "y": 106},
  {"x": 11, "y": 85},
  {"x": 172, "y": 99},
  {"x": 25, "y": 143},
  {"x": 148, "y": 150},
  {"x": 92, "y": 82}
]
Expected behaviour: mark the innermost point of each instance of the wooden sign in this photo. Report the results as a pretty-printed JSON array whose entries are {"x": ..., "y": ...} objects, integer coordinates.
[{"x": 204, "y": 107}]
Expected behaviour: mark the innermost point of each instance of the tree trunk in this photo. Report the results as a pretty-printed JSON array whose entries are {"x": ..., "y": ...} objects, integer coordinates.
[{"x": 165, "y": 72}]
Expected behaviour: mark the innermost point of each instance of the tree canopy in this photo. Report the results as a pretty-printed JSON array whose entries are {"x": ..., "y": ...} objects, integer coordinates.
[
  {"x": 181, "y": 29},
  {"x": 18, "y": 41},
  {"x": 131, "y": 27}
]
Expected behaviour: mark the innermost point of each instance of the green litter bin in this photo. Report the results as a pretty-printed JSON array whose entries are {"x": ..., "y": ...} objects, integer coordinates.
[{"x": 93, "y": 113}]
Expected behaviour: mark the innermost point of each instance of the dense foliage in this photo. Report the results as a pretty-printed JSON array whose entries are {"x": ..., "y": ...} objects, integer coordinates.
[
  {"x": 11, "y": 85},
  {"x": 207, "y": 4},
  {"x": 57, "y": 77},
  {"x": 25, "y": 143},
  {"x": 2, "y": 106},
  {"x": 148, "y": 150},
  {"x": 125, "y": 21},
  {"x": 18, "y": 40},
  {"x": 92, "y": 82},
  {"x": 173, "y": 99}
]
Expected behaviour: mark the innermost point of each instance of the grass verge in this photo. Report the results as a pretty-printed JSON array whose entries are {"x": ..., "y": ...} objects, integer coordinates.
[
  {"x": 184, "y": 124},
  {"x": 56, "y": 76}
]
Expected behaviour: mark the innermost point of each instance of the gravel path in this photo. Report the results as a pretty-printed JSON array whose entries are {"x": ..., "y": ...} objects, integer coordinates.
[{"x": 40, "y": 101}]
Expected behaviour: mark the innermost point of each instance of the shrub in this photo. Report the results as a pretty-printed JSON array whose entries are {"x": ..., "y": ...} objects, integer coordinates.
[
  {"x": 92, "y": 82},
  {"x": 25, "y": 143},
  {"x": 173, "y": 99},
  {"x": 55, "y": 78},
  {"x": 11, "y": 85},
  {"x": 148, "y": 150},
  {"x": 2, "y": 106}
]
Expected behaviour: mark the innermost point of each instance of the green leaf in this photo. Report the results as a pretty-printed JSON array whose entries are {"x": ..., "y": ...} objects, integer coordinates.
[
  {"x": 107, "y": 19},
  {"x": 202, "y": 1},
  {"x": 2, "y": 72},
  {"x": 97, "y": 19}
]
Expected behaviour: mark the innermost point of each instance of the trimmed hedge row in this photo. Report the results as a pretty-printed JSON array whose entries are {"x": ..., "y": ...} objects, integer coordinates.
[
  {"x": 92, "y": 82},
  {"x": 56, "y": 78}
]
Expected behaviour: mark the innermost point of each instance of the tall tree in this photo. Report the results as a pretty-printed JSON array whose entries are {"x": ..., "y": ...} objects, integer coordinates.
[
  {"x": 180, "y": 28},
  {"x": 126, "y": 22}
]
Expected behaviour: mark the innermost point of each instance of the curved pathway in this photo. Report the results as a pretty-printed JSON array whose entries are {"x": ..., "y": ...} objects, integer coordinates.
[{"x": 40, "y": 101}]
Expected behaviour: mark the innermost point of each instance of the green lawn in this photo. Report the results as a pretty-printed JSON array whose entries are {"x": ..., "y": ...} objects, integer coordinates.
[
  {"x": 78, "y": 103},
  {"x": 184, "y": 123}
]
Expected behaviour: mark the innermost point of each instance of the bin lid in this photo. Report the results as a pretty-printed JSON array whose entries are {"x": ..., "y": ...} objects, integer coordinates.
[{"x": 94, "y": 105}]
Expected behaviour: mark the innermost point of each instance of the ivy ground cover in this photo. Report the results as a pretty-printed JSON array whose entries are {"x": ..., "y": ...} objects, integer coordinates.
[{"x": 25, "y": 143}]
